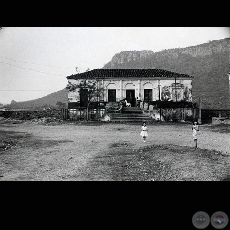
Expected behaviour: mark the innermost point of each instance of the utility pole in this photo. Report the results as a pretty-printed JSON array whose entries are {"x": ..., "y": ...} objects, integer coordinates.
[
  {"x": 175, "y": 89},
  {"x": 199, "y": 117},
  {"x": 159, "y": 97},
  {"x": 98, "y": 107},
  {"x": 176, "y": 98}
]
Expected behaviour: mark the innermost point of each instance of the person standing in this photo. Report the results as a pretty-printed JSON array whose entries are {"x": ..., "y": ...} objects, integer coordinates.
[
  {"x": 144, "y": 131},
  {"x": 141, "y": 105},
  {"x": 195, "y": 128}
]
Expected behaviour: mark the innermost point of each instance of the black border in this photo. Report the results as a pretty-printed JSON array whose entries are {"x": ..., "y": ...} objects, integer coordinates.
[{"x": 114, "y": 13}]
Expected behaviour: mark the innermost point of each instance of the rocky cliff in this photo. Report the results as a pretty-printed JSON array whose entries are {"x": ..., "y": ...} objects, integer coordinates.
[{"x": 208, "y": 63}]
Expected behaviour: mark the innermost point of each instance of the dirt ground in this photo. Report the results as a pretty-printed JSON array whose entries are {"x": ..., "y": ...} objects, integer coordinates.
[{"x": 112, "y": 152}]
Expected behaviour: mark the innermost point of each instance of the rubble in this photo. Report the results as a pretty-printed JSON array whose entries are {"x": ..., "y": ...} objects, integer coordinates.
[
  {"x": 40, "y": 121},
  {"x": 46, "y": 116},
  {"x": 5, "y": 145}
]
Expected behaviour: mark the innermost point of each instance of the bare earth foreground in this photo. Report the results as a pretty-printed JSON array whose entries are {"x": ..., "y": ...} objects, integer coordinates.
[{"x": 114, "y": 152}]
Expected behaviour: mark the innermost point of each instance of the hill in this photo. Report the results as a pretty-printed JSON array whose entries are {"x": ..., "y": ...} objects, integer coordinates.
[
  {"x": 43, "y": 102},
  {"x": 208, "y": 63}
]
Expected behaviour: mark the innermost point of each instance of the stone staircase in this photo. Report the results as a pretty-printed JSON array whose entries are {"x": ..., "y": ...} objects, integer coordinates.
[{"x": 129, "y": 114}]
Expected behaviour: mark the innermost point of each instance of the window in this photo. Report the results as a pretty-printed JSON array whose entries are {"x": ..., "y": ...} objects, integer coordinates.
[{"x": 148, "y": 95}]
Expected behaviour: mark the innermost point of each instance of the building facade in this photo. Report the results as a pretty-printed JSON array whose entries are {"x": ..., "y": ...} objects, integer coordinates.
[{"x": 145, "y": 85}]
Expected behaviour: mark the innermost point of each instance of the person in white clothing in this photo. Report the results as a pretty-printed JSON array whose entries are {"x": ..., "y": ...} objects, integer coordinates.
[
  {"x": 195, "y": 128},
  {"x": 144, "y": 131}
]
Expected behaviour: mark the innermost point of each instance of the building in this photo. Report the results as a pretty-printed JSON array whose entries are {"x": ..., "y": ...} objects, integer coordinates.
[{"x": 134, "y": 85}]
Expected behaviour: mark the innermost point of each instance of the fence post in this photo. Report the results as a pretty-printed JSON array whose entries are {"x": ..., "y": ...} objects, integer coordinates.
[{"x": 64, "y": 114}]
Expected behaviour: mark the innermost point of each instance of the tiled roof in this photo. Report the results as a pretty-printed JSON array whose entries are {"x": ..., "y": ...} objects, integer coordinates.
[{"x": 127, "y": 73}]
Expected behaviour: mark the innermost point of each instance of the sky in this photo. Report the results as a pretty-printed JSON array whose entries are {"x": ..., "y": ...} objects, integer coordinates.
[{"x": 35, "y": 61}]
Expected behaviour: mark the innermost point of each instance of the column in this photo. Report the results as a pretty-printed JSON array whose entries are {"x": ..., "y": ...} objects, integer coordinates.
[
  {"x": 121, "y": 90},
  {"x": 159, "y": 89},
  {"x": 104, "y": 91},
  {"x": 154, "y": 96},
  {"x": 139, "y": 89}
]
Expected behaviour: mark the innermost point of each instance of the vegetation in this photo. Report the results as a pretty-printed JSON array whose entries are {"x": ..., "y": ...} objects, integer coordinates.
[
  {"x": 60, "y": 105},
  {"x": 92, "y": 94}
]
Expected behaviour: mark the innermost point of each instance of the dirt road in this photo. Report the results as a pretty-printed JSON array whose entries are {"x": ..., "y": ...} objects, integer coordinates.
[{"x": 62, "y": 152}]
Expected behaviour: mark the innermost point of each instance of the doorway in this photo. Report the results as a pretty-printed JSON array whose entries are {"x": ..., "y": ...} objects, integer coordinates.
[
  {"x": 112, "y": 95},
  {"x": 83, "y": 98},
  {"x": 148, "y": 95},
  {"x": 130, "y": 97}
]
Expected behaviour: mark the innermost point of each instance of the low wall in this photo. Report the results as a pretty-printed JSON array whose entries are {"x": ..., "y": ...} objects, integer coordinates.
[
  {"x": 208, "y": 115},
  {"x": 170, "y": 114},
  {"x": 81, "y": 114},
  {"x": 220, "y": 120},
  {"x": 32, "y": 114}
]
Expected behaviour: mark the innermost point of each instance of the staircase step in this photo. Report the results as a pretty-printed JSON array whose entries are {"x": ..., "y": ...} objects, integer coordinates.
[
  {"x": 137, "y": 110},
  {"x": 133, "y": 117},
  {"x": 132, "y": 112},
  {"x": 128, "y": 115},
  {"x": 131, "y": 108},
  {"x": 131, "y": 120}
]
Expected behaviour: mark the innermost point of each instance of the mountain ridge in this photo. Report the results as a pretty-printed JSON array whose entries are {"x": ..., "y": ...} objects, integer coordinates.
[{"x": 204, "y": 49}]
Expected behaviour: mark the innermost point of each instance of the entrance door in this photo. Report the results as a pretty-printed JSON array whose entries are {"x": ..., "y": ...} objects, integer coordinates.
[
  {"x": 148, "y": 95},
  {"x": 83, "y": 97},
  {"x": 111, "y": 95},
  {"x": 130, "y": 97}
]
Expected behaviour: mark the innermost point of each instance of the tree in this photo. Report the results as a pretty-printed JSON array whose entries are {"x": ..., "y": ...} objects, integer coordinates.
[
  {"x": 13, "y": 102},
  {"x": 95, "y": 91},
  {"x": 60, "y": 105},
  {"x": 94, "y": 87},
  {"x": 71, "y": 87}
]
